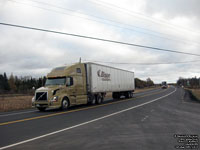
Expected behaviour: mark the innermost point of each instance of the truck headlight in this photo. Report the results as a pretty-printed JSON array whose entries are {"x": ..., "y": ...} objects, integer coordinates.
[{"x": 54, "y": 99}]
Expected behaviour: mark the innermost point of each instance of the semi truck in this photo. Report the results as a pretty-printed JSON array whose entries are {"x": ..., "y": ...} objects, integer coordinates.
[
  {"x": 164, "y": 85},
  {"x": 83, "y": 83}
]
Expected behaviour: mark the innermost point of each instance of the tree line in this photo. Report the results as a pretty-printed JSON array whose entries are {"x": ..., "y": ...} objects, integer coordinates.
[
  {"x": 24, "y": 85},
  {"x": 189, "y": 82},
  {"x": 142, "y": 84},
  {"x": 19, "y": 85}
]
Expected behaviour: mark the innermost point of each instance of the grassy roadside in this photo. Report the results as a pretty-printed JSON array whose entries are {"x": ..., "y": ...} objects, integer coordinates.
[
  {"x": 146, "y": 89},
  {"x": 195, "y": 93},
  {"x": 10, "y": 103}
]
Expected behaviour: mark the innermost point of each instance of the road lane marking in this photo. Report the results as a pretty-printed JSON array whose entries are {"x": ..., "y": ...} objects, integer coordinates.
[
  {"x": 144, "y": 118},
  {"x": 152, "y": 110},
  {"x": 84, "y": 123},
  {"x": 66, "y": 112}
]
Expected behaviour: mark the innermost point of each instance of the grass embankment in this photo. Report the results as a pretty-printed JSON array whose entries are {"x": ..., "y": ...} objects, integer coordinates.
[
  {"x": 195, "y": 93},
  {"x": 15, "y": 102},
  {"x": 146, "y": 89}
]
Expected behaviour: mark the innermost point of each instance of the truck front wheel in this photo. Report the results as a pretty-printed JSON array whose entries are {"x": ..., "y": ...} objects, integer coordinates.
[
  {"x": 93, "y": 102},
  {"x": 65, "y": 104}
]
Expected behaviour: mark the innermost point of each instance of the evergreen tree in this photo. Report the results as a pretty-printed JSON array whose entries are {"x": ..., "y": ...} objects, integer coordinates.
[
  {"x": 6, "y": 84},
  {"x": 43, "y": 81},
  {"x": 149, "y": 82},
  {"x": 39, "y": 83},
  {"x": 11, "y": 82},
  {"x": 1, "y": 83}
]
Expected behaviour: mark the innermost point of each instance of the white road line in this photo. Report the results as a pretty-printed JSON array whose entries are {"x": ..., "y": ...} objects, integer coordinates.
[
  {"x": 144, "y": 118},
  {"x": 81, "y": 124},
  {"x": 4, "y": 115}
]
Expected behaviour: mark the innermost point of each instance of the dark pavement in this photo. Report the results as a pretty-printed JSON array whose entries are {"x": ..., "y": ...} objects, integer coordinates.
[{"x": 148, "y": 121}]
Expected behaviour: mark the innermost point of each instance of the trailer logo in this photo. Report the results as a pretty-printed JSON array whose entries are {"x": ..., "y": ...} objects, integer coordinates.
[{"x": 103, "y": 75}]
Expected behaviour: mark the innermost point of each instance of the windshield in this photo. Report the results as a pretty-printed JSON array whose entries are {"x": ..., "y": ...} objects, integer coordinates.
[{"x": 55, "y": 81}]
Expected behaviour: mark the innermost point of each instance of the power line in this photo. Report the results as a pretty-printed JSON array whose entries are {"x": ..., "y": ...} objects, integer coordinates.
[
  {"x": 147, "y": 63},
  {"x": 63, "y": 8},
  {"x": 108, "y": 20},
  {"x": 99, "y": 39},
  {"x": 148, "y": 17}
]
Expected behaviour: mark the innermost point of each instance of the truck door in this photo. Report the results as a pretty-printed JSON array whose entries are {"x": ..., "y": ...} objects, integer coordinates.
[
  {"x": 81, "y": 97},
  {"x": 71, "y": 89}
]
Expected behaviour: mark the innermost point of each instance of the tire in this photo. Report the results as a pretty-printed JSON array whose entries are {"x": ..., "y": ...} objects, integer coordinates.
[
  {"x": 98, "y": 99},
  {"x": 65, "y": 104},
  {"x": 127, "y": 95},
  {"x": 41, "y": 108},
  {"x": 131, "y": 94},
  {"x": 93, "y": 102}
]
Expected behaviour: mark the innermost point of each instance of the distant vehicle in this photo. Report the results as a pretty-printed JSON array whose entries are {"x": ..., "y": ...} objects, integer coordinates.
[
  {"x": 164, "y": 85},
  {"x": 83, "y": 83}
]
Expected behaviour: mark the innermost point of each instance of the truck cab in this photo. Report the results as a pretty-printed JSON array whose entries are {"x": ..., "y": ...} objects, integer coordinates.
[{"x": 65, "y": 86}]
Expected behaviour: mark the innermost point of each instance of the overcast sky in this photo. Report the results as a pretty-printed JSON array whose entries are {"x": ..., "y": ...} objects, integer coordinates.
[{"x": 168, "y": 24}]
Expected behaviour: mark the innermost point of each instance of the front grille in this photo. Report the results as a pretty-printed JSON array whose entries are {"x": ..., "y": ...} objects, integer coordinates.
[{"x": 41, "y": 96}]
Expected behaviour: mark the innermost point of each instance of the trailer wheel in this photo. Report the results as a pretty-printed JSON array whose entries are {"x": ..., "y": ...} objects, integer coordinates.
[
  {"x": 98, "y": 99},
  {"x": 65, "y": 104},
  {"x": 127, "y": 95},
  {"x": 131, "y": 94}
]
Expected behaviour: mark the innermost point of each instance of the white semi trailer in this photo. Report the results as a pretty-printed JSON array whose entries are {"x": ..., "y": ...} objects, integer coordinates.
[{"x": 103, "y": 79}]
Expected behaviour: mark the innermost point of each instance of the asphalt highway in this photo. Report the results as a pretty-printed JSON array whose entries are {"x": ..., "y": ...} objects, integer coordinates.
[{"x": 151, "y": 120}]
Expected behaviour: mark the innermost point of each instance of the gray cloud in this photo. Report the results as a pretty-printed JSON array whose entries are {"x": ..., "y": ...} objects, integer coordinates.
[
  {"x": 26, "y": 52},
  {"x": 174, "y": 8}
]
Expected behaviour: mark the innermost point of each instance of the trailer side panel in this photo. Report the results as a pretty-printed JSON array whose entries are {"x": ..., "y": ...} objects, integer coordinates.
[{"x": 108, "y": 79}]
